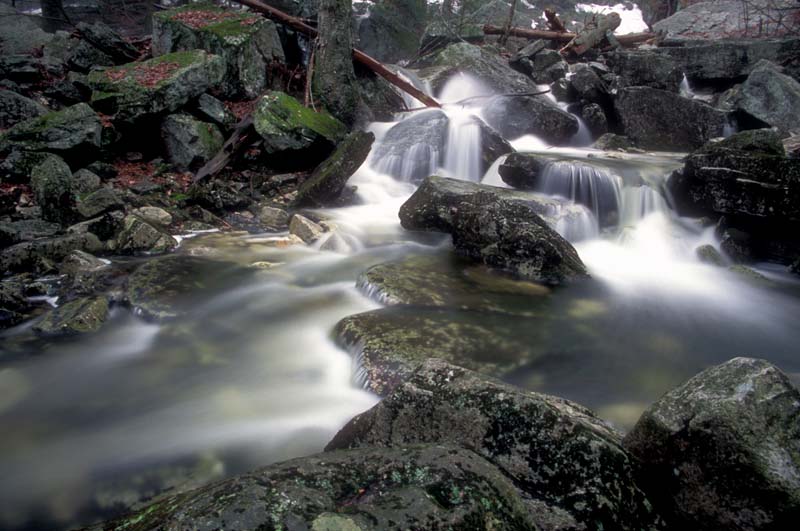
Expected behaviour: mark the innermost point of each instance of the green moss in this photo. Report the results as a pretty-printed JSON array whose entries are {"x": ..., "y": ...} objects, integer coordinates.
[{"x": 285, "y": 113}]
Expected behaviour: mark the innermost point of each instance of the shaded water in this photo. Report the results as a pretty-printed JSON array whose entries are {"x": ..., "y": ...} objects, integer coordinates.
[{"x": 251, "y": 376}]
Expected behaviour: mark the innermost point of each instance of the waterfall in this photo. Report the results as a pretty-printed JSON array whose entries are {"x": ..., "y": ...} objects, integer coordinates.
[
  {"x": 638, "y": 202},
  {"x": 685, "y": 89},
  {"x": 462, "y": 154},
  {"x": 595, "y": 188}
]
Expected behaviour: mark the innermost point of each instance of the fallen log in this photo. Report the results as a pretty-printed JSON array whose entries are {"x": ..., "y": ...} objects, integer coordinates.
[
  {"x": 625, "y": 40},
  {"x": 600, "y": 30},
  {"x": 358, "y": 55},
  {"x": 241, "y": 138}
]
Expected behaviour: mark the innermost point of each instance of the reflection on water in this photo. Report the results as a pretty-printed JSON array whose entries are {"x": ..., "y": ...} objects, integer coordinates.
[{"x": 249, "y": 375}]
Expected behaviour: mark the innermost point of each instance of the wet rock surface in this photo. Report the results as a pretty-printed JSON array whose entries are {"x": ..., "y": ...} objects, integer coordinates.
[
  {"x": 531, "y": 115},
  {"x": 723, "y": 450},
  {"x": 498, "y": 227}
]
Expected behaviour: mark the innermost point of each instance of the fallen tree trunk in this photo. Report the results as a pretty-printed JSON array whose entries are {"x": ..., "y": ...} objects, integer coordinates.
[
  {"x": 242, "y": 137},
  {"x": 358, "y": 55},
  {"x": 625, "y": 40},
  {"x": 601, "y": 30}
]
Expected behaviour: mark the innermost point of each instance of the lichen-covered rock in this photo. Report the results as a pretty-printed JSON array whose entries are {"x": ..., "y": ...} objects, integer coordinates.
[
  {"x": 99, "y": 202},
  {"x": 586, "y": 84},
  {"x": 661, "y": 120},
  {"x": 15, "y": 108},
  {"x": 612, "y": 142},
  {"x": 190, "y": 143},
  {"x": 770, "y": 97},
  {"x": 73, "y": 131},
  {"x": 556, "y": 451},
  {"x": 18, "y": 164},
  {"x": 30, "y": 255},
  {"x": 722, "y": 451},
  {"x": 85, "y": 182},
  {"x": 390, "y": 343},
  {"x": 51, "y": 182},
  {"x": 499, "y": 227},
  {"x": 483, "y": 63},
  {"x": 160, "y": 85},
  {"x": 595, "y": 119},
  {"x": 212, "y": 110},
  {"x": 247, "y": 43},
  {"x": 154, "y": 215},
  {"x": 646, "y": 69},
  {"x": 530, "y": 115},
  {"x": 329, "y": 178},
  {"x": 139, "y": 236},
  {"x": 370, "y": 489},
  {"x": 80, "y": 316},
  {"x": 292, "y": 131},
  {"x": 522, "y": 170},
  {"x": 273, "y": 217},
  {"x": 746, "y": 174},
  {"x": 83, "y": 57},
  {"x": 106, "y": 39}
]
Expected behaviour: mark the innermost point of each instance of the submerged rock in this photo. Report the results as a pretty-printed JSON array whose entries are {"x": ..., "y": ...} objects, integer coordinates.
[
  {"x": 496, "y": 226},
  {"x": 370, "y": 489},
  {"x": 291, "y": 131},
  {"x": 160, "y": 85},
  {"x": 708, "y": 254},
  {"x": 723, "y": 450},
  {"x": 770, "y": 98},
  {"x": 247, "y": 43},
  {"x": 661, "y": 120},
  {"x": 80, "y": 316},
  {"x": 190, "y": 143},
  {"x": 531, "y": 115},
  {"x": 390, "y": 343},
  {"x": 326, "y": 183},
  {"x": 557, "y": 452},
  {"x": 74, "y": 131}
]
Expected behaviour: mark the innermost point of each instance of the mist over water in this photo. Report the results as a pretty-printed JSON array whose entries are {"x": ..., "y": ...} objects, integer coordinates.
[{"x": 250, "y": 375}]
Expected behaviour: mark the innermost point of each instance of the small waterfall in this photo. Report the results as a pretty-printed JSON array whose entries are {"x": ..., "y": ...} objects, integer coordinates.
[
  {"x": 583, "y": 137},
  {"x": 587, "y": 185},
  {"x": 577, "y": 224},
  {"x": 685, "y": 89},
  {"x": 462, "y": 154},
  {"x": 638, "y": 202}
]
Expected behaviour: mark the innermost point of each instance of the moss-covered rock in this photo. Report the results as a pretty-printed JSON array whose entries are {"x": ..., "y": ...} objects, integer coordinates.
[
  {"x": 247, "y": 43},
  {"x": 51, "y": 182},
  {"x": 390, "y": 343},
  {"x": 558, "y": 452},
  {"x": 190, "y": 143},
  {"x": 329, "y": 178},
  {"x": 80, "y": 316},
  {"x": 15, "y": 108},
  {"x": 291, "y": 130},
  {"x": 722, "y": 451},
  {"x": 73, "y": 131},
  {"x": 371, "y": 489},
  {"x": 12, "y": 232},
  {"x": 99, "y": 202},
  {"x": 42, "y": 254},
  {"x": 160, "y": 85},
  {"x": 442, "y": 280},
  {"x": 138, "y": 236}
]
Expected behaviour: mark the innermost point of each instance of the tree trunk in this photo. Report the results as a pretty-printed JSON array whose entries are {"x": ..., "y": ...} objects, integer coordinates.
[
  {"x": 511, "y": 11},
  {"x": 334, "y": 80},
  {"x": 52, "y": 15}
]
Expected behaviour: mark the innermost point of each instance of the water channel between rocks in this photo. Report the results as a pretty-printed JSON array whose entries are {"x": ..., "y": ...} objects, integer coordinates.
[{"x": 250, "y": 373}]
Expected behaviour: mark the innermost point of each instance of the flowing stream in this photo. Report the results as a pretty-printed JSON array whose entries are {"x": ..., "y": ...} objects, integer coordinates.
[{"x": 250, "y": 375}]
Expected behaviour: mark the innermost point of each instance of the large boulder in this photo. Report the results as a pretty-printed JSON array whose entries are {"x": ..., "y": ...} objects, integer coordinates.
[
  {"x": 661, "y": 120},
  {"x": 51, "y": 182},
  {"x": 568, "y": 461},
  {"x": 190, "y": 143},
  {"x": 325, "y": 185},
  {"x": 41, "y": 254},
  {"x": 20, "y": 33},
  {"x": 722, "y": 451},
  {"x": 72, "y": 132},
  {"x": 722, "y": 19},
  {"x": 295, "y": 133},
  {"x": 15, "y": 108},
  {"x": 163, "y": 84},
  {"x": 390, "y": 343},
  {"x": 530, "y": 115},
  {"x": 483, "y": 63},
  {"x": 414, "y": 147},
  {"x": 770, "y": 98},
  {"x": 12, "y": 232},
  {"x": 725, "y": 61},
  {"x": 646, "y": 69},
  {"x": 370, "y": 489},
  {"x": 747, "y": 174},
  {"x": 138, "y": 236},
  {"x": 13, "y": 304},
  {"x": 499, "y": 227},
  {"x": 107, "y": 40},
  {"x": 587, "y": 85},
  {"x": 246, "y": 42}
]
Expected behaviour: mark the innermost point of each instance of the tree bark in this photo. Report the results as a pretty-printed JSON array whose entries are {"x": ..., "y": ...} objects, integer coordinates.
[
  {"x": 510, "y": 22},
  {"x": 334, "y": 81}
]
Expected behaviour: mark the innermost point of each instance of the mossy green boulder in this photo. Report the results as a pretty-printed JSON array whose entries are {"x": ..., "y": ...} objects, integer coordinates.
[
  {"x": 246, "y": 42},
  {"x": 76, "y": 130},
  {"x": 138, "y": 236},
  {"x": 390, "y": 343},
  {"x": 80, "y": 316},
  {"x": 288, "y": 128},
  {"x": 51, "y": 182},
  {"x": 190, "y": 143},
  {"x": 160, "y": 85}
]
